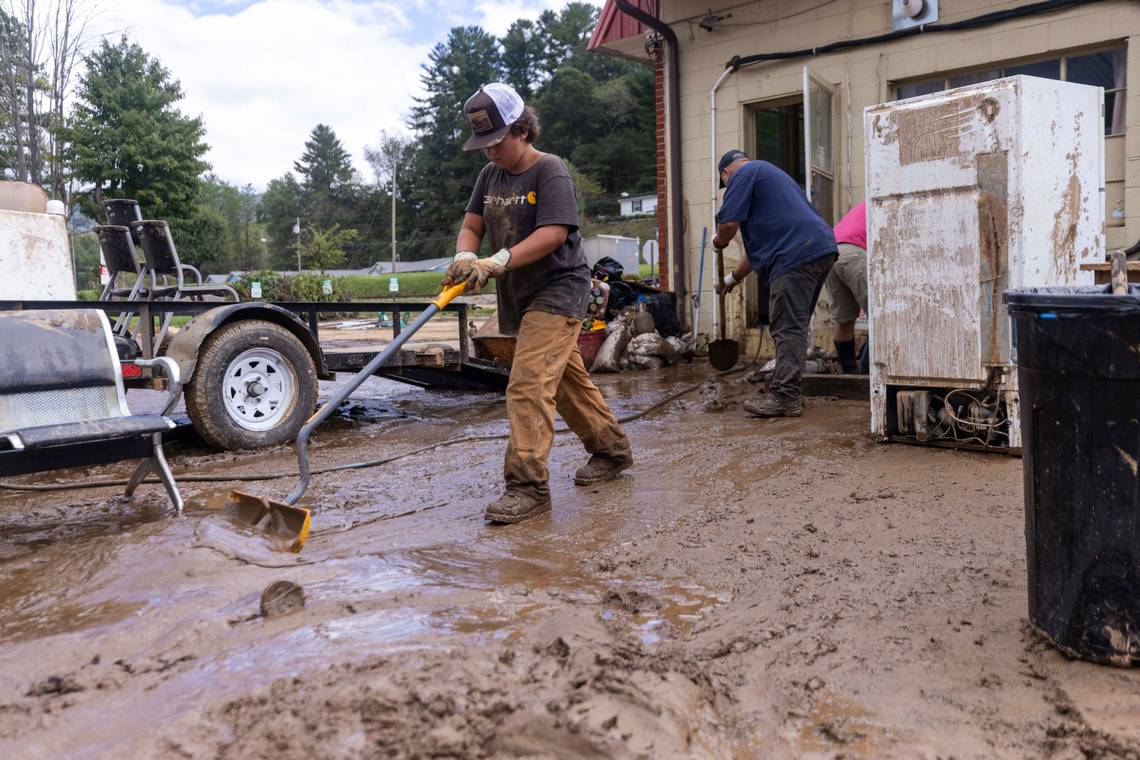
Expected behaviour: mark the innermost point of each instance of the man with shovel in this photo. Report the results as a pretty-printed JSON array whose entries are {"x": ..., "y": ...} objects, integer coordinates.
[
  {"x": 524, "y": 202},
  {"x": 789, "y": 244}
]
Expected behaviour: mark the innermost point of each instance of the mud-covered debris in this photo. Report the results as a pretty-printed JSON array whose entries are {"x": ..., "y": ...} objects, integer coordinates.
[
  {"x": 54, "y": 686},
  {"x": 713, "y": 394},
  {"x": 281, "y": 598},
  {"x": 632, "y": 600}
]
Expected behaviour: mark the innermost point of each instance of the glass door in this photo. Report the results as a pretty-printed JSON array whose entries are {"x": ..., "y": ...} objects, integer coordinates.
[{"x": 819, "y": 158}]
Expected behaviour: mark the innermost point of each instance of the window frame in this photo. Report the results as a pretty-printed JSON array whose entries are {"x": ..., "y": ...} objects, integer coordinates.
[{"x": 1003, "y": 66}]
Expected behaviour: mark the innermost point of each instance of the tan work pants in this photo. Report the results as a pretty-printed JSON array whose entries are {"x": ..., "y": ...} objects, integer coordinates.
[{"x": 548, "y": 374}]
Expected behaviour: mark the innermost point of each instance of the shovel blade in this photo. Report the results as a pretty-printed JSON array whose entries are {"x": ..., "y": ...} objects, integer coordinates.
[
  {"x": 286, "y": 524},
  {"x": 723, "y": 354}
]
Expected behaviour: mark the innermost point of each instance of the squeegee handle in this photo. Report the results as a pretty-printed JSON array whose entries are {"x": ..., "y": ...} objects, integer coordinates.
[
  {"x": 345, "y": 391},
  {"x": 447, "y": 295}
]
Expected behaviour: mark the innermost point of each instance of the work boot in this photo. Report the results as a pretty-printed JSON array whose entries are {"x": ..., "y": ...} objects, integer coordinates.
[
  {"x": 600, "y": 468},
  {"x": 845, "y": 353},
  {"x": 771, "y": 405},
  {"x": 515, "y": 506}
]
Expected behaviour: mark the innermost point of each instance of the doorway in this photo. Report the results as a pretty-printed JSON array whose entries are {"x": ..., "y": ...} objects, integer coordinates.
[{"x": 778, "y": 137}]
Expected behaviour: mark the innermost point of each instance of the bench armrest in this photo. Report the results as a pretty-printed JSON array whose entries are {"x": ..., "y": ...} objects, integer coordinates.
[
  {"x": 193, "y": 270},
  {"x": 173, "y": 378}
]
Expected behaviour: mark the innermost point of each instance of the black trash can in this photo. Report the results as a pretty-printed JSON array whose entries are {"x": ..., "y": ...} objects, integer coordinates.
[{"x": 1077, "y": 352}]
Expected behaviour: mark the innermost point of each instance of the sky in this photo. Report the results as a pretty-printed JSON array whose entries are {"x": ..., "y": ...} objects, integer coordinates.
[{"x": 263, "y": 73}]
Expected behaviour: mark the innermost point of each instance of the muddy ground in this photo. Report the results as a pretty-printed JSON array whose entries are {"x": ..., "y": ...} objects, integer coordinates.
[{"x": 750, "y": 588}]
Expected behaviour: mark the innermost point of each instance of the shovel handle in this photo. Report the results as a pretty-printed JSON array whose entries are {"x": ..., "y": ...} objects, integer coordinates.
[
  {"x": 719, "y": 284},
  {"x": 447, "y": 295}
]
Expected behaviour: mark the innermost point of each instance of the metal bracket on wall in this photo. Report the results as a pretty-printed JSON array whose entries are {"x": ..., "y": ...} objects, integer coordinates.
[{"x": 910, "y": 13}]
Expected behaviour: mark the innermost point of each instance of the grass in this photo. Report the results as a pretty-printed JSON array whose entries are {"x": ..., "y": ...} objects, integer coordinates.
[{"x": 412, "y": 285}]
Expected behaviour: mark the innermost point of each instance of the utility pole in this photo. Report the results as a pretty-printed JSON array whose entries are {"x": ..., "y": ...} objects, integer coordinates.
[
  {"x": 297, "y": 232},
  {"x": 394, "y": 163}
]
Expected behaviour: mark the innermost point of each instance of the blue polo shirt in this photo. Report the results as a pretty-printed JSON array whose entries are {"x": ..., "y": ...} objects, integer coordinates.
[{"x": 781, "y": 230}]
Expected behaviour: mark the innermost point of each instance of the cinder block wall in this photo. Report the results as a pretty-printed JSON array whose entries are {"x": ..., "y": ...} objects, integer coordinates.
[{"x": 864, "y": 77}]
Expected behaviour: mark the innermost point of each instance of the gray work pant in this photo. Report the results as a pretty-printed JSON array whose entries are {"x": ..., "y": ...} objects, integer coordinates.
[{"x": 790, "y": 306}]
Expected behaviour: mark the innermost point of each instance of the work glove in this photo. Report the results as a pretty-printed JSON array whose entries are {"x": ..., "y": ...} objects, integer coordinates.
[
  {"x": 726, "y": 285},
  {"x": 484, "y": 269},
  {"x": 459, "y": 268}
]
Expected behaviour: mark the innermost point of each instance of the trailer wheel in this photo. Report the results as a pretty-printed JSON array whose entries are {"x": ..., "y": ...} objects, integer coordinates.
[{"x": 254, "y": 385}]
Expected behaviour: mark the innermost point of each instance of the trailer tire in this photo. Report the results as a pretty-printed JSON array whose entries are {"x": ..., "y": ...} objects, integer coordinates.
[{"x": 253, "y": 386}]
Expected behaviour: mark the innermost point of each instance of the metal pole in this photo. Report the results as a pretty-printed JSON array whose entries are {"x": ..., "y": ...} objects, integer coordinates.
[
  {"x": 394, "y": 216},
  {"x": 334, "y": 402},
  {"x": 298, "y": 228}
]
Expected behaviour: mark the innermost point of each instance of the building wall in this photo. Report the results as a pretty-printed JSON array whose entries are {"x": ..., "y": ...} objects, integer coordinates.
[{"x": 862, "y": 77}]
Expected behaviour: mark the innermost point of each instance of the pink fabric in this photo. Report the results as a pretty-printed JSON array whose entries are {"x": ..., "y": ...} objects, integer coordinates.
[{"x": 852, "y": 228}]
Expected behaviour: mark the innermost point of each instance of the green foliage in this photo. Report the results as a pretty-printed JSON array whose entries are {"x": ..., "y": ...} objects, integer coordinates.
[
  {"x": 412, "y": 285},
  {"x": 325, "y": 164},
  {"x": 203, "y": 238},
  {"x": 85, "y": 253},
  {"x": 324, "y": 249},
  {"x": 237, "y": 208},
  {"x": 328, "y": 194},
  {"x": 597, "y": 112},
  {"x": 307, "y": 286},
  {"x": 442, "y": 173},
  {"x": 523, "y": 51},
  {"x": 127, "y": 138},
  {"x": 279, "y": 210}
]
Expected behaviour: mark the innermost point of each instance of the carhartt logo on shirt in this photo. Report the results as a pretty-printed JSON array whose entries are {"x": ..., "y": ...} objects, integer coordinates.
[{"x": 510, "y": 200}]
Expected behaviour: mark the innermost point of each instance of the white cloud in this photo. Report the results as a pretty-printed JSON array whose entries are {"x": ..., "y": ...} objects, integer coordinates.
[
  {"x": 265, "y": 76},
  {"x": 497, "y": 17},
  {"x": 263, "y": 73}
]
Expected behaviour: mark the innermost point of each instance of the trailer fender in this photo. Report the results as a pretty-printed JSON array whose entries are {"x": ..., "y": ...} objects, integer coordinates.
[{"x": 186, "y": 343}]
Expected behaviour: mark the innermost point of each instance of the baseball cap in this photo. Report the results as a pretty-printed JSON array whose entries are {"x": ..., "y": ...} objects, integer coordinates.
[
  {"x": 490, "y": 112},
  {"x": 727, "y": 159}
]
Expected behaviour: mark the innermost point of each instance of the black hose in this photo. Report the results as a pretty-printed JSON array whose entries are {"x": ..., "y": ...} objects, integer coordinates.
[
  {"x": 977, "y": 22},
  {"x": 188, "y": 478}
]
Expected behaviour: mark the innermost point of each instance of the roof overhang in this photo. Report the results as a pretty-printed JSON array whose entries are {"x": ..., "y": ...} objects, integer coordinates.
[{"x": 618, "y": 34}]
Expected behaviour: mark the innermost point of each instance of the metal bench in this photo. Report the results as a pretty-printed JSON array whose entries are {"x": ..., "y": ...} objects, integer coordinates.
[{"x": 62, "y": 402}]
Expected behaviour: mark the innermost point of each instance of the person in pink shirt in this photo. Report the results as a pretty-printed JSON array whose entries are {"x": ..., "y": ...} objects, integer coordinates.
[{"x": 847, "y": 285}]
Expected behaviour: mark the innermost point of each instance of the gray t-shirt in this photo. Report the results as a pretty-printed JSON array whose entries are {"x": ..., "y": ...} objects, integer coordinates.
[{"x": 515, "y": 205}]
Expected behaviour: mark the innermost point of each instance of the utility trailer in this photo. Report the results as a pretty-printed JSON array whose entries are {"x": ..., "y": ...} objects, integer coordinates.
[{"x": 249, "y": 369}]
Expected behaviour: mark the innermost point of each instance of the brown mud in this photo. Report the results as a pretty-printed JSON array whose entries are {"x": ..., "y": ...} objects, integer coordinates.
[{"x": 750, "y": 588}]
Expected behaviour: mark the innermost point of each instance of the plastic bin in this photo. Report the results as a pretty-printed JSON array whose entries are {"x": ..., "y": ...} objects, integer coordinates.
[{"x": 1077, "y": 352}]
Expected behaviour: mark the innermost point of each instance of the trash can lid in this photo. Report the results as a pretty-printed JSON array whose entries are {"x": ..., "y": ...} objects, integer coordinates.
[{"x": 1097, "y": 299}]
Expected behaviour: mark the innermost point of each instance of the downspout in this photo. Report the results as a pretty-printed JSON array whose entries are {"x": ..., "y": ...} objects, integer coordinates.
[
  {"x": 715, "y": 174},
  {"x": 673, "y": 105}
]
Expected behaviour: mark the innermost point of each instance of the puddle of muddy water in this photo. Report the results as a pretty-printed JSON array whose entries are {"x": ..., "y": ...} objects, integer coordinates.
[{"x": 838, "y": 725}]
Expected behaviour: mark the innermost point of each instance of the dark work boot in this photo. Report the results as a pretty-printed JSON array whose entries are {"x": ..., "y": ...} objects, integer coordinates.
[
  {"x": 515, "y": 506},
  {"x": 771, "y": 405},
  {"x": 845, "y": 352},
  {"x": 601, "y": 468}
]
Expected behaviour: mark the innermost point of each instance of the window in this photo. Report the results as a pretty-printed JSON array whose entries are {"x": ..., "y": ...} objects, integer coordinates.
[
  {"x": 636, "y": 205},
  {"x": 1102, "y": 69}
]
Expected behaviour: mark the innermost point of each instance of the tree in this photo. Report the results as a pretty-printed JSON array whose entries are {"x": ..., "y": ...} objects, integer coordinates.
[
  {"x": 441, "y": 172},
  {"x": 279, "y": 210},
  {"x": 127, "y": 137},
  {"x": 324, "y": 249},
  {"x": 40, "y": 44},
  {"x": 391, "y": 155},
  {"x": 203, "y": 239},
  {"x": 523, "y": 50},
  {"x": 325, "y": 164},
  {"x": 237, "y": 208},
  {"x": 565, "y": 35}
]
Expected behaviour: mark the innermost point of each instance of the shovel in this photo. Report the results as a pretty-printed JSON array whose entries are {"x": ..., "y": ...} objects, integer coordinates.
[
  {"x": 722, "y": 353},
  {"x": 287, "y": 524}
]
